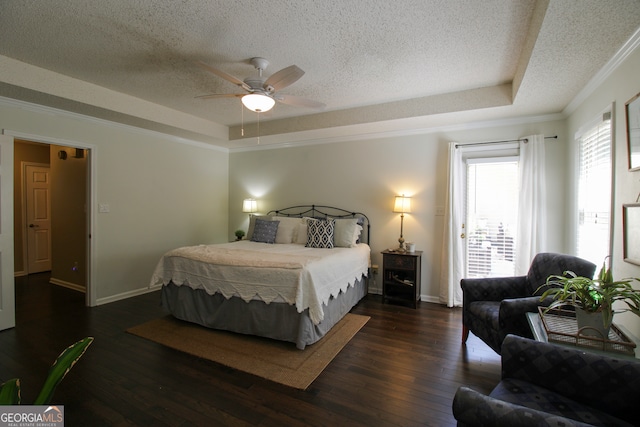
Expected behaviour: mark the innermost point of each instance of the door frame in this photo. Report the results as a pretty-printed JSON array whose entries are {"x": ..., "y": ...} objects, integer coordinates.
[
  {"x": 91, "y": 189},
  {"x": 478, "y": 153}
]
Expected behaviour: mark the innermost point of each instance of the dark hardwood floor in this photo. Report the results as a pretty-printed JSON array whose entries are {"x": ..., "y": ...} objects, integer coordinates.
[{"x": 401, "y": 369}]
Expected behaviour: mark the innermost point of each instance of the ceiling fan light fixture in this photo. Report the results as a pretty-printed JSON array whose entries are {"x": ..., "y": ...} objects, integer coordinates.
[{"x": 258, "y": 102}]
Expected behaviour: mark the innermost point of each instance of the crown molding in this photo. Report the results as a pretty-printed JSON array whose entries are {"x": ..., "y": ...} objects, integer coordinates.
[{"x": 41, "y": 109}]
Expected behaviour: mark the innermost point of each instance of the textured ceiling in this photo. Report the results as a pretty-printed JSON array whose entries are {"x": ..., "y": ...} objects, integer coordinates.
[{"x": 375, "y": 64}]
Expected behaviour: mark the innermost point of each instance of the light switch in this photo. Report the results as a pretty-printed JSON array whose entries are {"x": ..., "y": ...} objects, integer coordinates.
[{"x": 103, "y": 208}]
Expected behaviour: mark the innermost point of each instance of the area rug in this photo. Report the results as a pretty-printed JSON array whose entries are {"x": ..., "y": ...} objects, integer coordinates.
[{"x": 276, "y": 361}]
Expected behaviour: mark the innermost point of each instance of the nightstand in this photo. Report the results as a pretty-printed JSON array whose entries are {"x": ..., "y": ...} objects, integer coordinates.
[{"x": 401, "y": 277}]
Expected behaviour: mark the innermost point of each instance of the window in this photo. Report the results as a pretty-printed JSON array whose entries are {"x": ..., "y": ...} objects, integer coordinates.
[
  {"x": 492, "y": 215},
  {"x": 594, "y": 191}
]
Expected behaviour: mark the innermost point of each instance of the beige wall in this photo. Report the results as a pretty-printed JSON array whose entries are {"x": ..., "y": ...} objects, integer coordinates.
[
  {"x": 366, "y": 175},
  {"x": 162, "y": 193},
  {"x": 617, "y": 89}
]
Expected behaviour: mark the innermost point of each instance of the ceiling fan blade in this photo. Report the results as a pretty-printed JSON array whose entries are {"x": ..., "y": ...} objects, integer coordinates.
[
  {"x": 227, "y": 77},
  {"x": 296, "y": 101},
  {"x": 221, "y": 95},
  {"x": 283, "y": 78}
]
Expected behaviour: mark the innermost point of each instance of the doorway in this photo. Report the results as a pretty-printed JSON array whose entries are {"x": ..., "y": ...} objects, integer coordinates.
[
  {"x": 491, "y": 216},
  {"x": 50, "y": 214}
]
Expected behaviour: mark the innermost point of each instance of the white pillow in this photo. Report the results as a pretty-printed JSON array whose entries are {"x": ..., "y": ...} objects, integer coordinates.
[
  {"x": 346, "y": 232},
  {"x": 301, "y": 233},
  {"x": 287, "y": 229}
]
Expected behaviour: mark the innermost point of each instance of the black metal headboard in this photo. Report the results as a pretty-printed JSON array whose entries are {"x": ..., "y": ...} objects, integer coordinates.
[{"x": 320, "y": 211}]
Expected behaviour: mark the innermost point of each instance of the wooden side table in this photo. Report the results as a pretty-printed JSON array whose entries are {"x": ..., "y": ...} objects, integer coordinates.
[{"x": 401, "y": 277}]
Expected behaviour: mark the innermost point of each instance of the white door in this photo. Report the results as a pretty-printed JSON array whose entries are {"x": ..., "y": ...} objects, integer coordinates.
[
  {"x": 7, "y": 287},
  {"x": 38, "y": 210},
  {"x": 491, "y": 216}
]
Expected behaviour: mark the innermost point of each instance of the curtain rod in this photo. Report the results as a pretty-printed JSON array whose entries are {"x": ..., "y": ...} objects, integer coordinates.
[{"x": 525, "y": 140}]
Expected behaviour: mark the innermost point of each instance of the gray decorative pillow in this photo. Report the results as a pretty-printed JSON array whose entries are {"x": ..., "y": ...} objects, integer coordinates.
[
  {"x": 265, "y": 231},
  {"x": 252, "y": 223},
  {"x": 320, "y": 233}
]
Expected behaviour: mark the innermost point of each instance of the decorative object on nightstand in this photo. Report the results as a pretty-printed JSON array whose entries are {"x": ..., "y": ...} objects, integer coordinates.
[
  {"x": 249, "y": 206},
  {"x": 401, "y": 276},
  {"x": 402, "y": 205},
  {"x": 239, "y": 234}
]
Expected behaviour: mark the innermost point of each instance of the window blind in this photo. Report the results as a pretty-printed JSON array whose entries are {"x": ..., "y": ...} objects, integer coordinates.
[
  {"x": 492, "y": 212},
  {"x": 594, "y": 192}
]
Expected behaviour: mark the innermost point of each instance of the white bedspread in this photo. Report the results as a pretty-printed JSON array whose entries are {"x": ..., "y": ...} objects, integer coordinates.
[{"x": 295, "y": 274}]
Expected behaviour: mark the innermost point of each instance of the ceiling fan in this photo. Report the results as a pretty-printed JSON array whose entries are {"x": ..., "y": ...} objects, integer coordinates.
[{"x": 262, "y": 92}]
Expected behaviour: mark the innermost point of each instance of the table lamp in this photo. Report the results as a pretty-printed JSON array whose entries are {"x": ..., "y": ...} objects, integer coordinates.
[{"x": 403, "y": 205}]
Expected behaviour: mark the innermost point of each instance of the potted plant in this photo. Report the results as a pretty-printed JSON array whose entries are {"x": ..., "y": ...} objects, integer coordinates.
[
  {"x": 239, "y": 234},
  {"x": 593, "y": 299},
  {"x": 10, "y": 390}
]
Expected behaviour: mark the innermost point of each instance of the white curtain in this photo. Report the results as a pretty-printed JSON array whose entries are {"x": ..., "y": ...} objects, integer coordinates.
[
  {"x": 452, "y": 262},
  {"x": 532, "y": 224}
]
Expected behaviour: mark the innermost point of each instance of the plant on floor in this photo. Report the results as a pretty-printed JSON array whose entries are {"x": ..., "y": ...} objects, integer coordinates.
[
  {"x": 10, "y": 390},
  {"x": 593, "y": 295}
]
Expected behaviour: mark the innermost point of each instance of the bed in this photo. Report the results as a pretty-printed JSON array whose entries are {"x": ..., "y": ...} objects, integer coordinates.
[{"x": 298, "y": 272}]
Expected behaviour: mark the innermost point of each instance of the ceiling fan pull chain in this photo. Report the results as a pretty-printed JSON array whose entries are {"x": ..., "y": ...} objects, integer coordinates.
[
  {"x": 241, "y": 119},
  {"x": 258, "y": 128}
]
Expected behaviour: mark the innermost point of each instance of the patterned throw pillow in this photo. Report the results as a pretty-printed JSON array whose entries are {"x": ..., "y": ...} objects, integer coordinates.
[
  {"x": 265, "y": 231},
  {"x": 320, "y": 233}
]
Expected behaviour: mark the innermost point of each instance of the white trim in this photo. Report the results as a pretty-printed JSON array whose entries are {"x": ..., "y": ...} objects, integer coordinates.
[
  {"x": 92, "y": 197},
  {"x": 604, "y": 73},
  {"x": 36, "y": 108},
  {"x": 429, "y": 298},
  {"x": 403, "y": 132},
  {"x": 129, "y": 294}
]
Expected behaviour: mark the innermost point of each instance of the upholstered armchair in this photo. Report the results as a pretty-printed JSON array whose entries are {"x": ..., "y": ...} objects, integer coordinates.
[
  {"x": 547, "y": 384},
  {"x": 496, "y": 306}
]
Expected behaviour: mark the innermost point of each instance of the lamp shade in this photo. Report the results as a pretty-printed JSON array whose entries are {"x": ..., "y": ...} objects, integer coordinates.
[
  {"x": 249, "y": 205},
  {"x": 258, "y": 102},
  {"x": 402, "y": 204}
]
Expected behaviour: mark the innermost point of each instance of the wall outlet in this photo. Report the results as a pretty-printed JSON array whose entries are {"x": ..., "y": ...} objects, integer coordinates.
[
  {"x": 439, "y": 210},
  {"x": 103, "y": 208}
]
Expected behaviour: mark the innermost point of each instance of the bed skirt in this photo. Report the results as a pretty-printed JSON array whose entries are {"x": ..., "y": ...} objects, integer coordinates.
[{"x": 279, "y": 321}]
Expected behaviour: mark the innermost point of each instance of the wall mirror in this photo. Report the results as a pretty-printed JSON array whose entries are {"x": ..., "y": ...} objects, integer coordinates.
[{"x": 632, "y": 115}]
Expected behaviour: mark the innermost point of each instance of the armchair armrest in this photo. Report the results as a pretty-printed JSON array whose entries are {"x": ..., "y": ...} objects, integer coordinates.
[
  {"x": 607, "y": 383},
  {"x": 472, "y": 408},
  {"x": 512, "y": 316},
  {"x": 494, "y": 288}
]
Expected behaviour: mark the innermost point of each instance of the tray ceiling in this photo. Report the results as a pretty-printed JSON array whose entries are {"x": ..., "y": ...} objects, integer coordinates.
[{"x": 377, "y": 65}]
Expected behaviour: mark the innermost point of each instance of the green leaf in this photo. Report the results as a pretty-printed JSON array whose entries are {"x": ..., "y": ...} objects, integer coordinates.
[
  {"x": 60, "y": 368},
  {"x": 10, "y": 392}
]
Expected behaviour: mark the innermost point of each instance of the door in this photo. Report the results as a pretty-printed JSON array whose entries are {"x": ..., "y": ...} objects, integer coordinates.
[
  {"x": 38, "y": 216},
  {"x": 491, "y": 216},
  {"x": 7, "y": 287}
]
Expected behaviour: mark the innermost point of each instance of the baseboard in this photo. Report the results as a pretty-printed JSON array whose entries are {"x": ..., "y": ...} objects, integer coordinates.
[
  {"x": 69, "y": 285},
  {"x": 429, "y": 298},
  {"x": 129, "y": 294},
  {"x": 20, "y": 273}
]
